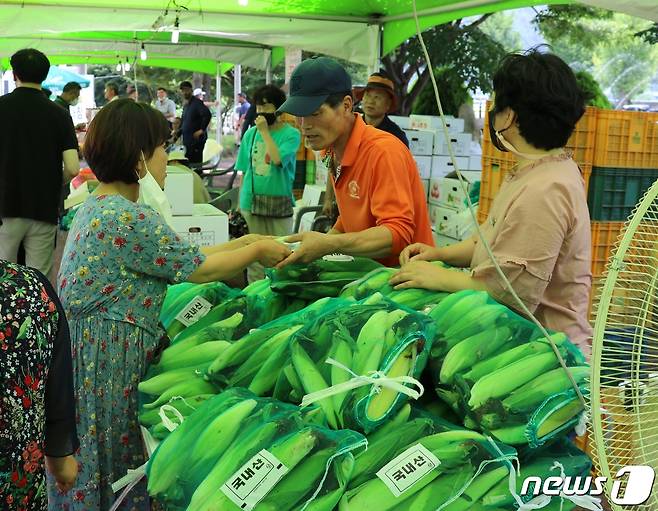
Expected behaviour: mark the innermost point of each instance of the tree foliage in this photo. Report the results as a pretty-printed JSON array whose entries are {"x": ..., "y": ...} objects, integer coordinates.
[
  {"x": 471, "y": 54},
  {"x": 593, "y": 90},
  {"x": 615, "y": 48},
  {"x": 452, "y": 91}
]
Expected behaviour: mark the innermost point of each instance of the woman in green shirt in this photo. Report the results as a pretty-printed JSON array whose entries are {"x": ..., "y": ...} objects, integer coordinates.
[{"x": 267, "y": 161}]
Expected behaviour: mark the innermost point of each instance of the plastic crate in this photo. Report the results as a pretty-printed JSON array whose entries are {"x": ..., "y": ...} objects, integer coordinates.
[
  {"x": 614, "y": 193},
  {"x": 604, "y": 237},
  {"x": 581, "y": 143},
  {"x": 493, "y": 173},
  {"x": 626, "y": 139}
]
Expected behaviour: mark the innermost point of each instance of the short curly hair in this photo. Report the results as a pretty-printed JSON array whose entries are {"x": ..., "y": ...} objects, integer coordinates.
[
  {"x": 543, "y": 92},
  {"x": 118, "y": 135},
  {"x": 269, "y": 94}
]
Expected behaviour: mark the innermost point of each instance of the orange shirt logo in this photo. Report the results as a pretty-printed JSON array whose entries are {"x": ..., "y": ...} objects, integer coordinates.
[{"x": 353, "y": 187}]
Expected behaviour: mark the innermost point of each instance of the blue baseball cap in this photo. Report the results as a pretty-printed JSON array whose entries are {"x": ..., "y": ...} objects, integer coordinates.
[{"x": 312, "y": 82}]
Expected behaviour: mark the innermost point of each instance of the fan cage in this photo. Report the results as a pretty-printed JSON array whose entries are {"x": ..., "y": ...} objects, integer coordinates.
[{"x": 623, "y": 405}]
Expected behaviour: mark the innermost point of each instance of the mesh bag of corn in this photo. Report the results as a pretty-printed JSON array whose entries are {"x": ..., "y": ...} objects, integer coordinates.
[
  {"x": 257, "y": 358},
  {"x": 376, "y": 281},
  {"x": 186, "y": 303},
  {"x": 360, "y": 363},
  {"x": 239, "y": 451},
  {"x": 321, "y": 278},
  {"x": 422, "y": 463},
  {"x": 264, "y": 305},
  {"x": 500, "y": 374}
]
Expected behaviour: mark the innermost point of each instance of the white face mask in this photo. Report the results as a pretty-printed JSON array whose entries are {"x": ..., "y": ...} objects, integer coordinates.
[
  {"x": 152, "y": 195},
  {"x": 507, "y": 144}
]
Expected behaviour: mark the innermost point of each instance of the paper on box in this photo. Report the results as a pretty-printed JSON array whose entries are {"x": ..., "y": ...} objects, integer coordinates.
[
  {"x": 207, "y": 226},
  {"x": 421, "y": 142},
  {"x": 460, "y": 142},
  {"x": 442, "y": 165},
  {"x": 433, "y": 122}
]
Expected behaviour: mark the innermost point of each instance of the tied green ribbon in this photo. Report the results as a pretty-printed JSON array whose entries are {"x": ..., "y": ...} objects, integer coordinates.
[{"x": 378, "y": 379}]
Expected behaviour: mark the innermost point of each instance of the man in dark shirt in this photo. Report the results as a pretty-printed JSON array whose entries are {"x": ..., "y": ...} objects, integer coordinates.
[
  {"x": 194, "y": 124},
  {"x": 69, "y": 97},
  {"x": 37, "y": 137}
]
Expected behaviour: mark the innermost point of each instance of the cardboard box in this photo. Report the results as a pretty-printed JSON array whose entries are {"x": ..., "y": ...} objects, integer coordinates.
[
  {"x": 421, "y": 142},
  {"x": 451, "y": 223},
  {"x": 179, "y": 188},
  {"x": 426, "y": 187},
  {"x": 424, "y": 164},
  {"x": 207, "y": 226},
  {"x": 460, "y": 142},
  {"x": 403, "y": 122},
  {"x": 442, "y": 241},
  {"x": 447, "y": 191},
  {"x": 475, "y": 162},
  {"x": 442, "y": 165},
  {"x": 433, "y": 122}
]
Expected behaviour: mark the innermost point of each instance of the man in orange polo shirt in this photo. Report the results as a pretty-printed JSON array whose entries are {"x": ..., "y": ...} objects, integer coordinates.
[{"x": 381, "y": 201}]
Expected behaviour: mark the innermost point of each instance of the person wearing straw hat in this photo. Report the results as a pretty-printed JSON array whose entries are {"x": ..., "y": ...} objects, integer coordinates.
[{"x": 378, "y": 99}]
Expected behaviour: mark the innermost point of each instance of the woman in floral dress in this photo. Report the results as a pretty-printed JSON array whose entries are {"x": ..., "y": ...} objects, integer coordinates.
[
  {"x": 119, "y": 258},
  {"x": 37, "y": 412}
]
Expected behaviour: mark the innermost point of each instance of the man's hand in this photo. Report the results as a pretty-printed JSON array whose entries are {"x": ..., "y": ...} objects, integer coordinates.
[
  {"x": 261, "y": 124},
  {"x": 420, "y": 274},
  {"x": 418, "y": 252},
  {"x": 64, "y": 470},
  {"x": 313, "y": 246},
  {"x": 197, "y": 134},
  {"x": 271, "y": 252},
  {"x": 248, "y": 239}
]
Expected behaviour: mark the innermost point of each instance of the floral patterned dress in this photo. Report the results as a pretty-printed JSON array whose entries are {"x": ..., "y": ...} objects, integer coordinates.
[
  {"x": 37, "y": 412},
  {"x": 118, "y": 260}
]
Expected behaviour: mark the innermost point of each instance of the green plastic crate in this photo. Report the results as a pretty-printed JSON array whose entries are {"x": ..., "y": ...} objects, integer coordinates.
[{"x": 614, "y": 193}]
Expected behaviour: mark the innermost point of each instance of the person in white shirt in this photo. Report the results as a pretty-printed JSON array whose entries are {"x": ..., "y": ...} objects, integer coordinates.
[{"x": 165, "y": 105}]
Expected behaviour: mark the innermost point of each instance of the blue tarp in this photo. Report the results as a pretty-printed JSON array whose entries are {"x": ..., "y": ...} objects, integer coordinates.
[{"x": 58, "y": 77}]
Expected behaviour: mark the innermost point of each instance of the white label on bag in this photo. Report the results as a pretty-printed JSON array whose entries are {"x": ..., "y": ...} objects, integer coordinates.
[
  {"x": 406, "y": 469},
  {"x": 253, "y": 480},
  {"x": 338, "y": 257},
  {"x": 194, "y": 311}
]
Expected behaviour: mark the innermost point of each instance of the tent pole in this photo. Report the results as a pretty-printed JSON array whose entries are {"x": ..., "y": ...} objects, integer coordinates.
[
  {"x": 218, "y": 95},
  {"x": 268, "y": 68}
]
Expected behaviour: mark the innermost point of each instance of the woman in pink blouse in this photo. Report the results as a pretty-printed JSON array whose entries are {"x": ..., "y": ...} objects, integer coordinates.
[{"x": 538, "y": 227}]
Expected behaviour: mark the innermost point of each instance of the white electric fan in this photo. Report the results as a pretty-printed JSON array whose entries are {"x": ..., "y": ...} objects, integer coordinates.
[{"x": 624, "y": 388}]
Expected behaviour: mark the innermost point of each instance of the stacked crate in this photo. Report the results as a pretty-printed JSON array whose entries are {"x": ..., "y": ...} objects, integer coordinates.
[
  {"x": 625, "y": 166},
  {"x": 496, "y": 164}
]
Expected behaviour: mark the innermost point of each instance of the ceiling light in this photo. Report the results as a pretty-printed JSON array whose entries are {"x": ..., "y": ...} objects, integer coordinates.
[
  {"x": 243, "y": 3},
  {"x": 175, "y": 33},
  {"x": 142, "y": 54}
]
